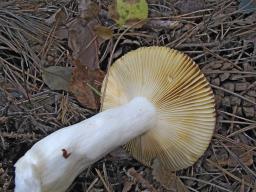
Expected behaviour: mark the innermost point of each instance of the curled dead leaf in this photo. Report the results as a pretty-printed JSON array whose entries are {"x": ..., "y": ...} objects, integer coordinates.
[
  {"x": 88, "y": 9},
  {"x": 58, "y": 17},
  {"x": 84, "y": 85},
  {"x": 167, "y": 178},
  {"x": 87, "y": 76},
  {"x": 84, "y": 43},
  {"x": 127, "y": 185},
  {"x": 245, "y": 157}
]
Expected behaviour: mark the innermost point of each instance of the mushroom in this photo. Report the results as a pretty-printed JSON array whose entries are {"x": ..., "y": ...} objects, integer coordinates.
[{"x": 157, "y": 103}]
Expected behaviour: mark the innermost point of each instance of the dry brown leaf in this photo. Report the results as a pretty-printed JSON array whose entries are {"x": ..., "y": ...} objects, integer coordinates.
[
  {"x": 88, "y": 9},
  {"x": 59, "y": 16},
  {"x": 84, "y": 43},
  {"x": 127, "y": 185},
  {"x": 180, "y": 185},
  {"x": 167, "y": 179},
  {"x": 84, "y": 83},
  {"x": 61, "y": 33},
  {"x": 87, "y": 77},
  {"x": 245, "y": 157},
  {"x": 103, "y": 32}
]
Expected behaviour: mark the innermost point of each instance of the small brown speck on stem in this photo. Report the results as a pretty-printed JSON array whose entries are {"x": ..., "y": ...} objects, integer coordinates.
[{"x": 65, "y": 153}]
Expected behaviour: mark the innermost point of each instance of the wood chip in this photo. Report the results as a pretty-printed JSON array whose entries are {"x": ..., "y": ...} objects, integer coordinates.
[
  {"x": 216, "y": 81},
  {"x": 229, "y": 86},
  {"x": 224, "y": 76},
  {"x": 226, "y": 102},
  {"x": 252, "y": 93},
  {"x": 249, "y": 112},
  {"x": 249, "y": 104},
  {"x": 235, "y": 100},
  {"x": 241, "y": 86},
  {"x": 227, "y": 66}
]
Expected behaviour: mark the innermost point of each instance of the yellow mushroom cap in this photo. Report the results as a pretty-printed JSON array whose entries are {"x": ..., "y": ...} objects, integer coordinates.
[{"x": 182, "y": 97}]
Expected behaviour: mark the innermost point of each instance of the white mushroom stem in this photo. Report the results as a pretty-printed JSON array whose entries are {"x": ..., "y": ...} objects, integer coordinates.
[{"x": 53, "y": 163}]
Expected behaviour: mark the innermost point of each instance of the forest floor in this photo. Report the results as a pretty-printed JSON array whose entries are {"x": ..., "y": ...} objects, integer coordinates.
[{"x": 220, "y": 36}]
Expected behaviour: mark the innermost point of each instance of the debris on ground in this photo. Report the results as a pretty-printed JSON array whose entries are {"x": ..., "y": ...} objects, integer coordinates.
[{"x": 55, "y": 54}]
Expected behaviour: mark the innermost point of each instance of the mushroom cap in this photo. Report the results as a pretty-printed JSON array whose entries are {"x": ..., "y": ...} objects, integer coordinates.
[{"x": 183, "y": 100}]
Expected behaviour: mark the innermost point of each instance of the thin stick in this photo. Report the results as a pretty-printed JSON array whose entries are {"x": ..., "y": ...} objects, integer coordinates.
[
  {"x": 229, "y": 174},
  {"x": 205, "y": 182},
  {"x": 250, "y": 127},
  {"x": 103, "y": 181},
  {"x": 236, "y": 116},
  {"x": 232, "y": 93},
  {"x": 92, "y": 184}
]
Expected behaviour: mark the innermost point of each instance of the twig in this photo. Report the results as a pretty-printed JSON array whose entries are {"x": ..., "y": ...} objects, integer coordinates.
[
  {"x": 237, "y": 159},
  {"x": 92, "y": 184},
  {"x": 236, "y": 116},
  {"x": 230, "y": 174},
  {"x": 103, "y": 181},
  {"x": 250, "y": 127},
  {"x": 239, "y": 144},
  {"x": 232, "y": 93},
  {"x": 205, "y": 182}
]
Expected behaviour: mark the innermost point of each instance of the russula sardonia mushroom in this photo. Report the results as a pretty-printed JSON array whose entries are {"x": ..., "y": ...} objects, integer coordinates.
[{"x": 157, "y": 103}]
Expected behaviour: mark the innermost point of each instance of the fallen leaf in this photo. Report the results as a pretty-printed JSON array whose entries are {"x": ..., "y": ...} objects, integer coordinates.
[
  {"x": 59, "y": 16},
  {"x": 61, "y": 33},
  {"x": 84, "y": 43},
  {"x": 129, "y": 12},
  {"x": 180, "y": 185},
  {"x": 127, "y": 185},
  {"x": 57, "y": 77},
  {"x": 245, "y": 157},
  {"x": 88, "y": 9},
  {"x": 103, "y": 32},
  {"x": 167, "y": 178},
  {"x": 84, "y": 85},
  {"x": 86, "y": 77}
]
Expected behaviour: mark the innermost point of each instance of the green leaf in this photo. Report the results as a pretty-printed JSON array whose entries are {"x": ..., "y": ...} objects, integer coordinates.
[
  {"x": 57, "y": 78},
  {"x": 128, "y": 12}
]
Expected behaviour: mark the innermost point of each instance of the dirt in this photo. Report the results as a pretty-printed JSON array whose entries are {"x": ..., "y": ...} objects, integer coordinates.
[{"x": 220, "y": 37}]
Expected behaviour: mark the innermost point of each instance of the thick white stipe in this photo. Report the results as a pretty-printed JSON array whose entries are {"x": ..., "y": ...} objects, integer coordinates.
[{"x": 53, "y": 163}]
